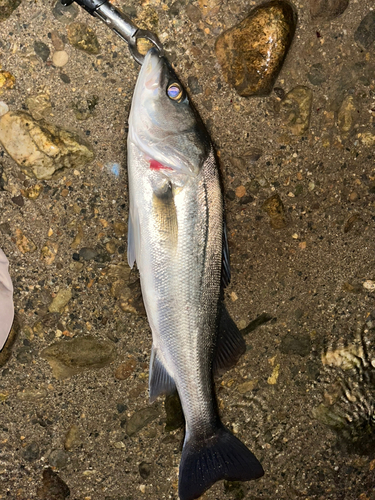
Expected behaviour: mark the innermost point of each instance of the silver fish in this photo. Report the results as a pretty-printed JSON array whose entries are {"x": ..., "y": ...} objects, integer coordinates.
[{"x": 176, "y": 236}]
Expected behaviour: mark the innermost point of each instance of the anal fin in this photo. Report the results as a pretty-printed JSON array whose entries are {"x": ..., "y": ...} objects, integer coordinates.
[
  {"x": 160, "y": 382},
  {"x": 230, "y": 344}
]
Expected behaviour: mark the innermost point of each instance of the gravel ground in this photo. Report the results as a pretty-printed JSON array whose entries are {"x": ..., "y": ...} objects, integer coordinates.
[{"x": 300, "y": 207}]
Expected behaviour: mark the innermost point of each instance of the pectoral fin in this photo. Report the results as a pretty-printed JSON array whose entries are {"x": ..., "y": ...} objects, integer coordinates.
[
  {"x": 134, "y": 235},
  {"x": 159, "y": 382},
  {"x": 230, "y": 344}
]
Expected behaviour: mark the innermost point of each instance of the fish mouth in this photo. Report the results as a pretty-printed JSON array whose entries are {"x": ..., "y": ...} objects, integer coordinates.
[{"x": 152, "y": 67}]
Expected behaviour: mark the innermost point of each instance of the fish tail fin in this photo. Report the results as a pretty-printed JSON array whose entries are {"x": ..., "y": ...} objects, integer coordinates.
[{"x": 222, "y": 456}]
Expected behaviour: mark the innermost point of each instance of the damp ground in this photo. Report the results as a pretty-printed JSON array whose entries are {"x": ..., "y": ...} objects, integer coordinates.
[{"x": 301, "y": 218}]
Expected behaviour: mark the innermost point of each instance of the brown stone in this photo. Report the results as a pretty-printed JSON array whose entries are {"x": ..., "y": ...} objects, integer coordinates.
[
  {"x": 251, "y": 54},
  {"x": 82, "y": 37},
  {"x": 53, "y": 488},
  {"x": 49, "y": 252},
  {"x": 327, "y": 9},
  {"x": 275, "y": 209},
  {"x": 24, "y": 244},
  {"x": 7, "y": 7},
  {"x": 296, "y": 110},
  {"x": 125, "y": 369}
]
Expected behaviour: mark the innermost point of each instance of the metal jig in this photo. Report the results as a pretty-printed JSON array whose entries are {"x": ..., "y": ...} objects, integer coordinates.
[{"x": 120, "y": 23}]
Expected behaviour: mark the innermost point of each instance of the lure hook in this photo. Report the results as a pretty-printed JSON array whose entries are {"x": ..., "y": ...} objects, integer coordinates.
[{"x": 120, "y": 24}]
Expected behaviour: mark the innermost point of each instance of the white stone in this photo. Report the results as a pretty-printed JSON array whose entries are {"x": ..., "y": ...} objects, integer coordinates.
[
  {"x": 369, "y": 285},
  {"x": 60, "y": 58},
  {"x": 3, "y": 108}
]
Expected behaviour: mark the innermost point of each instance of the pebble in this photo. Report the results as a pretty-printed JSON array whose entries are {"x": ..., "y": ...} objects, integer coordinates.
[
  {"x": 144, "y": 470},
  {"x": 272, "y": 380},
  {"x": 174, "y": 413},
  {"x": 24, "y": 355},
  {"x": 77, "y": 239},
  {"x": 353, "y": 196},
  {"x": 33, "y": 192},
  {"x": 24, "y": 245},
  {"x": 7, "y": 7},
  {"x": 120, "y": 229},
  {"x": 347, "y": 116},
  {"x": 141, "y": 418},
  {"x": 368, "y": 139},
  {"x": 4, "y": 108},
  {"x": 210, "y": 9},
  {"x": 327, "y": 9},
  {"x": 345, "y": 358},
  {"x": 275, "y": 209},
  {"x": 53, "y": 488},
  {"x": 317, "y": 74},
  {"x": 130, "y": 296},
  {"x": 57, "y": 41},
  {"x": 58, "y": 458},
  {"x": 68, "y": 358},
  {"x": 246, "y": 199},
  {"x": 193, "y": 13},
  {"x": 293, "y": 344},
  {"x": 251, "y": 53},
  {"x": 7, "y": 81},
  {"x": 41, "y": 50},
  {"x": 18, "y": 200},
  {"x": 194, "y": 86},
  {"x": 350, "y": 223},
  {"x": 252, "y": 155},
  {"x": 126, "y": 369},
  {"x": 88, "y": 253},
  {"x": 49, "y": 252},
  {"x": 230, "y": 194},
  {"x": 84, "y": 109},
  {"x": 369, "y": 285},
  {"x": 240, "y": 191},
  {"x": 31, "y": 452},
  {"x": 41, "y": 150},
  {"x": 60, "y": 58},
  {"x": 60, "y": 301},
  {"x": 248, "y": 386},
  {"x": 65, "y": 78},
  {"x": 365, "y": 33},
  {"x": 39, "y": 105},
  {"x": 296, "y": 110},
  {"x": 111, "y": 247},
  {"x": 65, "y": 14},
  {"x": 32, "y": 394},
  {"x": 83, "y": 38},
  {"x": 73, "y": 438}
]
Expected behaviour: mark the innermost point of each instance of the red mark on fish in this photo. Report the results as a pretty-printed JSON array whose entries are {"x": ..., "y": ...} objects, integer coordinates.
[{"x": 155, "y": 165}]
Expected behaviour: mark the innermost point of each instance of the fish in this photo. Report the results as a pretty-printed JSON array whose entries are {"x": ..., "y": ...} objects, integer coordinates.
[
  {"x": 177, "y": 237},
  {"x": 6, "y": 300}
]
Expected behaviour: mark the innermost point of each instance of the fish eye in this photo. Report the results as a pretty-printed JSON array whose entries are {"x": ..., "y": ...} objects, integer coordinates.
[{"x": 174, "y": 92}]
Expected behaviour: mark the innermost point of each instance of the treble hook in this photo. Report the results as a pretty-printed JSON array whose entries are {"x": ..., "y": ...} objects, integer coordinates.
[{"x": 120, "y": 23}]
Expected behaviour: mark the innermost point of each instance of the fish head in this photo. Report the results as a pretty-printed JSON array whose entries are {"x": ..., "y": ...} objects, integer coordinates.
[{"x": 163, "y": 123}]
